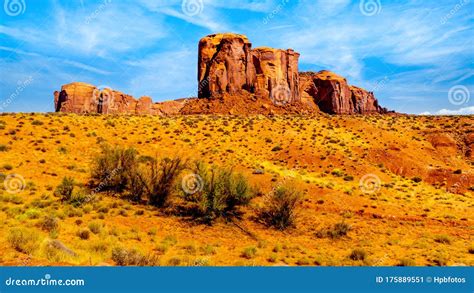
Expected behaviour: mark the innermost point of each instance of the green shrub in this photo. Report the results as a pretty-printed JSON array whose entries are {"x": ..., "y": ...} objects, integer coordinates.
[
  {"x": 65, "y": 189},
  {"x": 23, "y": 240},
  {"x": 280, "y": 207},
  {"x": 157, "y": 180},
  {"x": 79, "y": 198},
  {"x": 249, "y": 252},
  {"x": 337, "y": 172},
  {"x": 112, "y": 168},
  {"x": 218, "y": 192}
]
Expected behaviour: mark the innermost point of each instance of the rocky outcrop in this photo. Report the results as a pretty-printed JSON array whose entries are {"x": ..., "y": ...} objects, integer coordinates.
[
  {"x": 80, "y": 98},
  {"x": 227, "y": 64},
  {"x": 235, "y": 79},
  {"x": 333, "y": 95},
  {"x": 76, "y": 97}
]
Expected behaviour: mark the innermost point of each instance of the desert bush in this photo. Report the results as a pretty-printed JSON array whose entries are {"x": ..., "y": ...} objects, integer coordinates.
[
  {"x": 337, "y": 231},
  {"x": 95, "y": 227},
  {"x": 65, "y": 189},
  {"x": 157, "y": 180},
  {"x": 112, "y": 168},
  {"x": 280, "y": 207},
  {"x": 132, "y": 257},
  {"x": 49, "y": 223},
  {"x": 443, "y": 239},
  {"x": 406, "y": 262},
  {"x": 249, "y": 252},
  {"x": 37, "y": 122},
  {"x": 23, "y": 240},
  {"x": 80, "y": 197},
  {"x": 358, "y": 254},
  {"x": 218, "y": 192},
  {"x": 3, "y": 148},
  {"x": 83, "y": 234}
]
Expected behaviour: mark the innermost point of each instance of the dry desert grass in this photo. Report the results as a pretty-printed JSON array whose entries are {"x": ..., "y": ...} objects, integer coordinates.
[{"x": 374, "y": 190}]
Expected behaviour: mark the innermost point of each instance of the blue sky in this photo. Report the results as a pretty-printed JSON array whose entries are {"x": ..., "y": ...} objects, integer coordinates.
[{"x": 417, "y": 56}]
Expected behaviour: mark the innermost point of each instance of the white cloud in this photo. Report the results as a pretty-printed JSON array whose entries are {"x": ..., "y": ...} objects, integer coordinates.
[
  {"x": 461, "y": 111},
  {"x": 99, "y": 30},
  {"x": 206, "y": 15}
]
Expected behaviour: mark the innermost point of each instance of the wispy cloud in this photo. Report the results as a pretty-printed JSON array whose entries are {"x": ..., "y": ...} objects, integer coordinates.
[
  {"x": 461, "y": 111},
  {"x": 419, "y": 49}
]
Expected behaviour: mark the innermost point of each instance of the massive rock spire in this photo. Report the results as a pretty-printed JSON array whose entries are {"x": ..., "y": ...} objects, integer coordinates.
[{"x": 227, "y": 64}]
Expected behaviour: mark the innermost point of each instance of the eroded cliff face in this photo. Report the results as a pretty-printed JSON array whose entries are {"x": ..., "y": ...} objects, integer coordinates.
[
  {"x": 82, "y": 98},
  {"x": 277, "y": 74},
  {"x": 227, "y": 64},
  {"x": 224, "y": 65},
  {"x": 333, "y": 95}
]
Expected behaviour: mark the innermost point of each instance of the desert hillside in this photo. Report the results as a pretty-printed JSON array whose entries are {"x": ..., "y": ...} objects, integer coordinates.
[{"x": 376, "y": 190}]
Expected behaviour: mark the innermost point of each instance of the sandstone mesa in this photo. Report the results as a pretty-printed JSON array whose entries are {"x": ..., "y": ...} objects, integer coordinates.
[{"x": 233, "y": 78}]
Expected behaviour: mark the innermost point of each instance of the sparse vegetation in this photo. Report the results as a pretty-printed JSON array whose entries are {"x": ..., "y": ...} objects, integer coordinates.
[
  {"x": 67, "y": 216},
  {"x": 65, "y": 189},
  {"x": 218, "y": 193},
  {"x": 280, "y": 208},
  {"x": 132, "y": 257},
  {"x": 23, "y": 240},
  {"x": 358, "y": 254}
]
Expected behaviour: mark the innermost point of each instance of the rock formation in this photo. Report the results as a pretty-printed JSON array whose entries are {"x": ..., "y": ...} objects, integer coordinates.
[
  {"x": 224, "y": 65},
  {"x": 333, "y": 95},
  {"x": 80, "y": 98},
  {"x": 235, "y": 79},
  {"x": 227, "y": 64}
]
